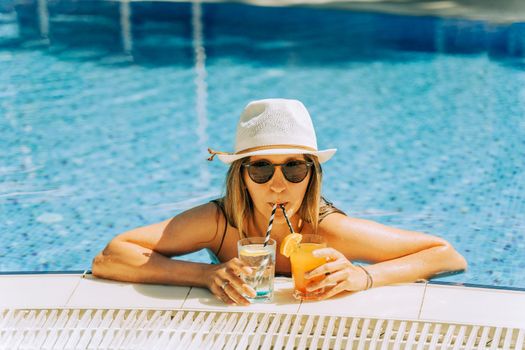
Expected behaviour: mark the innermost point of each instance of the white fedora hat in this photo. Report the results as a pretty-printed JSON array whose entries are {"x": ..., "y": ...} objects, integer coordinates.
[{"x": 274, "y": 127}]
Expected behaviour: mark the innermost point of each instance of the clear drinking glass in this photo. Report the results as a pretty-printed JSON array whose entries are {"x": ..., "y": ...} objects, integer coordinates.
[
  {"x": 303, "y": 261},
  {"x": 261, "y": 259}
]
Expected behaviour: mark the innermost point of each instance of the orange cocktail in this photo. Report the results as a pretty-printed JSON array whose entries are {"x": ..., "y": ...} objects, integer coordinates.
[{"x": 303, "y": 261}]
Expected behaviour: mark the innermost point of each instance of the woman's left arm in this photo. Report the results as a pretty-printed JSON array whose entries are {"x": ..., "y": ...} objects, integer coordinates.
[{"x": 396, "y": 255}]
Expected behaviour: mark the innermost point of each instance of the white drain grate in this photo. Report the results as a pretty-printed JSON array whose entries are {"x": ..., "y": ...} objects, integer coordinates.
[{"x": 161, "y": 329}]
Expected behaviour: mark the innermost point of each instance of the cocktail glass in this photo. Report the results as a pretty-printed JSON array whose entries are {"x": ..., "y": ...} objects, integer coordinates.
[
  {"x": 261, "y": 259},
  {"x": 303, "y": 261}
]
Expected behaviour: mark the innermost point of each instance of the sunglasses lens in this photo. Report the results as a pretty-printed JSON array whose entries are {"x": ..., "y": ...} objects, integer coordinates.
[
  {"x": 260, "y": 172},
  {"x": 295, "y": 171}
]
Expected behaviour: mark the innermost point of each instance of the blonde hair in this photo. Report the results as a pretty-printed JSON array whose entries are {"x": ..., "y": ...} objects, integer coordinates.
[{"x": 238, "y": 204}]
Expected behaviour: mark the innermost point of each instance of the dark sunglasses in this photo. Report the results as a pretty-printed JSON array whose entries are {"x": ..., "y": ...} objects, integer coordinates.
[{"x": 261, "y": 171}]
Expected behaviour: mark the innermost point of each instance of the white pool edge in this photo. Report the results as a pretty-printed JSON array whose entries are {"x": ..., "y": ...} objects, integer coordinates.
[{"x": 458, "y": 304}]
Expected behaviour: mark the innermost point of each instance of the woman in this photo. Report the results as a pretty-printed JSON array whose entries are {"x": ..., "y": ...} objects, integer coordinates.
[{"x": 276, "y": 161}]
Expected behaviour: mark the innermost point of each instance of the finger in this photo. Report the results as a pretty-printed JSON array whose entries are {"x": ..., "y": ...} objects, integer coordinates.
[
  {"x": 221, "y": 295},
  {"x": 219, "y": 289},
  {"x": 324, "y": 269},
  {"x": 238, "y": 266},
  {"x": 340, "y": 287},
  {"x": 249, "y": 291},
  {"x": 235, "y": 295},
  {"x": 328, "y": 253},
  {"x": 233, "y": 281},
  {"x": 241, "y": 286},
  {"x": 330, "y": 280},
  {"x": 233, "y": 277}
]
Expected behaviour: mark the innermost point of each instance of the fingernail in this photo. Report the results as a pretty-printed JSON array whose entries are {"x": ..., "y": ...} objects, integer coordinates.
[
  {"x": 247, "y": 270},
  {"x": 315, "y": 253},
  {"x": 249, "y": 290}
]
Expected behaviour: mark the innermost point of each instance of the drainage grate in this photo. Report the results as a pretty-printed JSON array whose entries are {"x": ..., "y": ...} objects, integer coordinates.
[{"x": 161, "y": 329}]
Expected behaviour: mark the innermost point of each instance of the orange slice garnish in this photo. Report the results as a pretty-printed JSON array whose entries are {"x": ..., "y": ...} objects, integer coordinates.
[{"x": 290, "y": 244}]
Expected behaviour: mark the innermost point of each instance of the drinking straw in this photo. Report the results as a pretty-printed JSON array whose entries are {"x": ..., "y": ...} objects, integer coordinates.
[
  {"x": 270, "y": 224},
  {"x": 287, "y": 220}
]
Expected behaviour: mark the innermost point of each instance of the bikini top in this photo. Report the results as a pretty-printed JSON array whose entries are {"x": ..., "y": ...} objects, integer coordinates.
[{"x": 325, "y": 209}]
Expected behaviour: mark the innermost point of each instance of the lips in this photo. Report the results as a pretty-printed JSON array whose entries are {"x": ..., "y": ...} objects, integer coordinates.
[{"x": 279, "y": 204}]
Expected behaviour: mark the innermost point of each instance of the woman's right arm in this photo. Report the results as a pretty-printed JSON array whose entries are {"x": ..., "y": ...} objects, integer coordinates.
[{"x": 143, "y": 254}]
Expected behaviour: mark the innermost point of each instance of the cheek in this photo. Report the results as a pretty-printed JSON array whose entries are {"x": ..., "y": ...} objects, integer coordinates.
[
  {"x": 247, "y": 183},
  {"x": 251, "y": 188},
  {"x": 298, "y": 192},
  {"x": 301, "y": 190},
  {"x": 304, "y": 184}
]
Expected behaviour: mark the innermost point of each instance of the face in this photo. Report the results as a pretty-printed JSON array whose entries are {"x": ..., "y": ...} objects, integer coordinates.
[{"x": 277, "y": 190}]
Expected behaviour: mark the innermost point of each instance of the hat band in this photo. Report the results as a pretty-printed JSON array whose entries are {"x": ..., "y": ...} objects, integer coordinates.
[{"x": 260, "y": 148}]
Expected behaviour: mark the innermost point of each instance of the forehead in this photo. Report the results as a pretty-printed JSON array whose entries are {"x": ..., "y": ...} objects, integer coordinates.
[{"x": 278, "y": 158}]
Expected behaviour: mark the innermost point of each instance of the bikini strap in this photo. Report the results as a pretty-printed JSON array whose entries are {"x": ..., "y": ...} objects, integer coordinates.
[
  {"x": 218, "y": 203},
  {"x": 327, "y": 208}
]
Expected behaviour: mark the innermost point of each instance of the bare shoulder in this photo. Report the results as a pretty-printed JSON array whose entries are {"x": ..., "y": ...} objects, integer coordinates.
[
  {"x": 200, "y": 218},
  {"x": 367, "y": 240},
  {"x": 191, "y": 230}
]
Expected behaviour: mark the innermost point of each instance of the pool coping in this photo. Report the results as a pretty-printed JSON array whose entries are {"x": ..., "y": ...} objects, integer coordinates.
[
  {"x": 482, "y": 10},
  {"x": 432, "y": 301},
  {"x": 431, "y": 282}
]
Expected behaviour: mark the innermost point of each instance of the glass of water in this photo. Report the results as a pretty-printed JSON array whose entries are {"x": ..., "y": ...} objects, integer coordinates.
[{"x": 261, "y": 259}]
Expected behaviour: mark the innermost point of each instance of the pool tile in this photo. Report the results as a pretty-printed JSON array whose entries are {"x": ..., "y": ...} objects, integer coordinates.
[
  {"x": 38, "y": 291},
  {"x": 94, "y": 292},
  {"x": 283, "y": 302},
  {"x": 397, "y": 301},
  {"x": 491, "y": 307}
]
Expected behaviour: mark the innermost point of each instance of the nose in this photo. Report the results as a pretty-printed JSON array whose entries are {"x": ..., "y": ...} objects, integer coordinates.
[{"x": 277, "y": 182}]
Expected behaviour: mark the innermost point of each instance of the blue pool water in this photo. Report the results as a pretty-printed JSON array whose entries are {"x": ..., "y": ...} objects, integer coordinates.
[{"x": 106, "y": 111}]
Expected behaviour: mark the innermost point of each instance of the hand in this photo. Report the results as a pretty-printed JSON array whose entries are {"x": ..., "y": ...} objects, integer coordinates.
[
  {"x": 225, "y": 283},
  {"x": 338, "y": 273}
]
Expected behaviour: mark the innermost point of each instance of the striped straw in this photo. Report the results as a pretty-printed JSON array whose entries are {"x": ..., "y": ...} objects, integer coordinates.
[
  {"x": 287, "y": 220},
  {"x": 270, "y": 224}
]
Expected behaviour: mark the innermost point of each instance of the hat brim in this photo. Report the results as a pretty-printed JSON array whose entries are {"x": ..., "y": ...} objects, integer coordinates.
[{"x": 323, "y": 155}]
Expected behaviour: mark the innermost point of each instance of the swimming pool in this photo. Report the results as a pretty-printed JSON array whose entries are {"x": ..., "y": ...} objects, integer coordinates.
[{"x": 107, "y": 108}]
